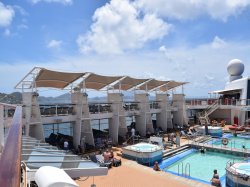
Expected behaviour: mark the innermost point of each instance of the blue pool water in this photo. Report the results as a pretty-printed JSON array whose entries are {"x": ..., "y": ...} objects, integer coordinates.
[
  {"x": 145, "y": 147},
  {"x": 245, "y": 168},
  {"x": 234, "y": 142},
  {"x": 201, "y": 165}
]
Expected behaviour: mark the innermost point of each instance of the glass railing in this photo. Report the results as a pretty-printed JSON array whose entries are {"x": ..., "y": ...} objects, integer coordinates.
[
  {"x": 99, "y": 108},
  {"x": 155, "y": 105},
  {"x": 131, "y": 106},
  {"x": 56, "y": 110}
]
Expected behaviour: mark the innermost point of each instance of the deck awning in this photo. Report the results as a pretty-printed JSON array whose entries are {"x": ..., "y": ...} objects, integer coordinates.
[
  {"x": 97, "y": 82},
  {"x": 128, "y": 83},
  {"x": 227, "y": 91},
  {"x": 151, "y": 84},
  {"x": 55, "y": 79},
  {"x": 40, "y": 77},
  {"x": 170, "y": 85}
]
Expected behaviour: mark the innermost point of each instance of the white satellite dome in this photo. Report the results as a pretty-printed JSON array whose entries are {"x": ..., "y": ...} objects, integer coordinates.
[{"x": 235, "y": 67}]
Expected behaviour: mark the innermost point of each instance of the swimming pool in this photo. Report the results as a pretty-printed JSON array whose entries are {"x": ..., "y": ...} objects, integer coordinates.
[
  {"x": 234, "y": 142},
  {"x": 201, "y": 165}
]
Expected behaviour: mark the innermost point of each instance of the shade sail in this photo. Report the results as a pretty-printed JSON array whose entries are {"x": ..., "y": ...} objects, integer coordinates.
[
  {"x": 55, "y": 79},
  {"x": 97, "y": 82},
  {"x": 170, "y": 85},
  {"x": 128, "y": 82},
  {"x": 151, "y": 84},
  {"x": 41, "y": 77}
]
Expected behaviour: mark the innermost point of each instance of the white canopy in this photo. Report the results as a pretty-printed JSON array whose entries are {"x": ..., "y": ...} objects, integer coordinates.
[{"x": 41, "y": 77}]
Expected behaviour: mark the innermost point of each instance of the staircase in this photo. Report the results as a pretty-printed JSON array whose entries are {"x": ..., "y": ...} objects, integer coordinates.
[{"x": 203, "y": 116}]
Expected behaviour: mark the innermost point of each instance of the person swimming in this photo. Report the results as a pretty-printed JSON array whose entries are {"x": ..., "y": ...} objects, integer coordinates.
[{"x": 202, "y": 150}]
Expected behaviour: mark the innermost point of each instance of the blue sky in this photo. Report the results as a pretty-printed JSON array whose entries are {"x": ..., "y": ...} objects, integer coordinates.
[{"x": 182, "y": 40}]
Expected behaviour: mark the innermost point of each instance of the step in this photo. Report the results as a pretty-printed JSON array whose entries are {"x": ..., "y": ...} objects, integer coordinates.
[{"x": 173, "y": 151}]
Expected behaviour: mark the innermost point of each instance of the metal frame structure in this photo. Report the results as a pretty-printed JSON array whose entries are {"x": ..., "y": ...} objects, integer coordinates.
[{"x": 31, "y": 80}]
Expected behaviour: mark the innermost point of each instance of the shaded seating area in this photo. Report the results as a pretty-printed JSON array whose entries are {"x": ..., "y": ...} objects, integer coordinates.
[
  {"x": 58, "y": 140},
  {"x": 102, "y": 139}
]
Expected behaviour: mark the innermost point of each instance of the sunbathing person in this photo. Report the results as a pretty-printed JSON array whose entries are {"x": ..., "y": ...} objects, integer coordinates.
[
  {"x": 156, "y": 166},
  {"x": 215, "y": 181},
  {"x": 106, "y": 156},
  {"x": 115, "y": 162}
]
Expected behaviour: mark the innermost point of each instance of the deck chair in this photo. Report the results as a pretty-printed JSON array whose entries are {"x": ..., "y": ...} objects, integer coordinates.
[
  {"x": 98, "y": 159},
  {"x": 188, "y": 136},
  {"x": 103, "y": 163}
]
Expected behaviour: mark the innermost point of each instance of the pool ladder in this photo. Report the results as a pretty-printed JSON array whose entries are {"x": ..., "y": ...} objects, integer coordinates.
[{"x": 187, "y": 169}]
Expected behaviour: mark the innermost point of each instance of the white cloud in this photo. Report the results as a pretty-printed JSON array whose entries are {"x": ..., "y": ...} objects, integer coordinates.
[
  {"x": 218, "y": 43},
  {"x": 22, "y": 26},
  {"x": 163, "y": 49},
  {"x": 203, "y": 67},
  {"x": 65, "y": 2},
  {"x": 21, "y": 10},
  {"x": 54, "y": 44},
  {"x": 190, "y": 9},
  {"x": 6, "y": 15},
  {"x": 7, "y": 32},
  {"x": 119, "y": 26}
]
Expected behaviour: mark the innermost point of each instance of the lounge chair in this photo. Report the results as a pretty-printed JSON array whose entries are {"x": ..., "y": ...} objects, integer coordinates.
[
  {"x": 196, "y": 133},
  {"x": 237, "y": 127},
  {"x": 188, "y": 136},
  {"x": 98, "y": 159},
  {"x": 103, "y": 163}
]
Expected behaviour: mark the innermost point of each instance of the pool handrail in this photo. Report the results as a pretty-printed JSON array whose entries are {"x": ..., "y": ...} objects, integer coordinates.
[
  {"x": 181, "y": 163},
  {"x": 187, "y": 166}
]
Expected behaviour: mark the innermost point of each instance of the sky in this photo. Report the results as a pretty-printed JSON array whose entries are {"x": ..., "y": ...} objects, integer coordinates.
[{"x": 181, "y": 40}]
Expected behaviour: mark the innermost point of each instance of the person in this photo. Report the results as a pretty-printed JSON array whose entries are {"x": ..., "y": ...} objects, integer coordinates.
[
  {"x": 66, "y": 145},
  {"x": 215, "y": 181},
  {"x": 111, "y": 155},
  {"x": 206, "y": 129},
  {"x": 133, "y": 132},
  {"x": 178, "y": 139},
  {"x": 195, "y": 119},
  {"x": 172, "y": 138},
  {"x": 106, "y": 156},
  {"x": 79, "y": 149},
  {"x": 202, "y": 150},
  {"x": 156, "y": 166}
]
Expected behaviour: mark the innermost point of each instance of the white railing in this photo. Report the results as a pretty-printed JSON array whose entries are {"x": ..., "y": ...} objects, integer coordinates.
[{"x": 228, "y": 102}]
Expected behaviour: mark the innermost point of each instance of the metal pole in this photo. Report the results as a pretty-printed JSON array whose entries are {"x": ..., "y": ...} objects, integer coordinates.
[{"x": 1, "y": 127}]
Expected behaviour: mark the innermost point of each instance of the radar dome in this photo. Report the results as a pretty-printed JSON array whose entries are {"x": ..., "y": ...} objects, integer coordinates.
[{"x": 235, "y": 67}]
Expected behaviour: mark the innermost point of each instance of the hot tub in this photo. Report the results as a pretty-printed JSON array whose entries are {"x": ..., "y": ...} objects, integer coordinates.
[
  {"x": 213, "y": 131},
  {"x": 143, "y": 153},
  {"x": 238, "y": 175}
]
